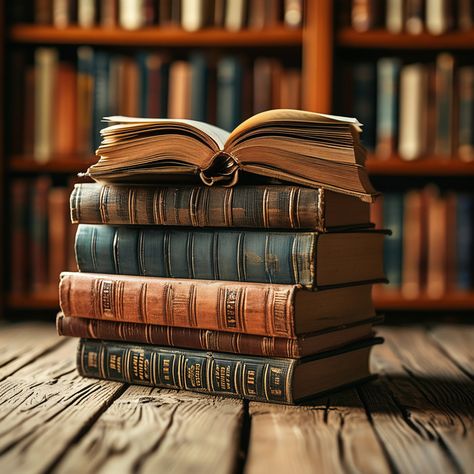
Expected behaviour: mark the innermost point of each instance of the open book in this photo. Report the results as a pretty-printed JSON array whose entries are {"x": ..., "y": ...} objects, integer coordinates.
[{"x": 300, "y": 147}]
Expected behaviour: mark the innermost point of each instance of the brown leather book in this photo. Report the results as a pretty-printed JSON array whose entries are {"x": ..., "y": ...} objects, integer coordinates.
[
  {"x": 220, "y": 341},
  {"x": 272, "y": 206},
  {"x": 64, "y": 136},
  {"x": 58, "y": 227},
  {"x": 179, "y": 98},
  {"x": 249, "y": 308}
]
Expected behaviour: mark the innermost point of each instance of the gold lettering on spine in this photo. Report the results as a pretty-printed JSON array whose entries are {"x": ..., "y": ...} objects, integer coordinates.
[
  {"x": 265, "y": 208},
  {"x": 193, "y": 206},
  {"x": 106, "y": 291},
  {"x": 297, "y": 208},
  {"x": 291, "y": 209},
  {"x": 131, "y": 206},
  {"x": 280, "y": 318},
  {"x": 294, "y": 259},
  {"x": 103, "y": 204},
  {"x": 228, "y": 196},
  {"x": 231, "y": 295},
  {"x": 142, "y": 309},
  {"x": 192, "y": 305}
]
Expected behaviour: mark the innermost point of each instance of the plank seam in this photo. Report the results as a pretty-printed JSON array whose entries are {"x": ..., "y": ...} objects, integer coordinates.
[{"x": 244, "y": 440}]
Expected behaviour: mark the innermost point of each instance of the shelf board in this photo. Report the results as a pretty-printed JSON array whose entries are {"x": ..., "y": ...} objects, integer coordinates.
[
  {"x": 72, "y": 164},
  {"x": 46, "y": 300},
  {"x": 383, "y": 39},
  {"x": 430, "y": 166},
  {"x": 154, "y": 36},
  {"x": 451, "y": 301}
]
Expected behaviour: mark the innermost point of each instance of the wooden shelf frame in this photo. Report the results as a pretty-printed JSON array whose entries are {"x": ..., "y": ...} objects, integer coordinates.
[
  {"x": 455, "y": 301},
  {"x": 65, "y": 164},
  {"x": 383, "y": 39},
  {"x": 429, "y": 166},
  {"x": 155, "y": 36}
]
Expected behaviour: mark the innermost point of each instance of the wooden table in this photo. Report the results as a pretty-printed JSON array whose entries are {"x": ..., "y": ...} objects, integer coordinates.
[{"x": 417, "y": 417}]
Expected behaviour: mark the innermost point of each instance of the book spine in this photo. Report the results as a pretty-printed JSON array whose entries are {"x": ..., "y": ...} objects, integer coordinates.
[
  {"x": 229, "y": 92},
  {"x": 199, "y": 87},
  {"x": 464, "y": 238},
  {"x": 189, "y": 338},
  {"x": 466, "y": 113},
  {"x": 265, "y": 257},
  {"x": 393, "y": 245},
  {"x": 266, "y": 310},
  {"x": 283, "y": 207},
  {"x": 253, "y": 378}
]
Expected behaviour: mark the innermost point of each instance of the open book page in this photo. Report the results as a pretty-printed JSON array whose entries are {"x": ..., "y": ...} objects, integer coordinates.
[
  {"x": 216, "y": 134},
  {"x": 288, "y": 115}
]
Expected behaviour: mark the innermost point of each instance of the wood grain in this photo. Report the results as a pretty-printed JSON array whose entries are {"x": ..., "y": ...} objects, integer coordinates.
[
  {"x": 437, "y": 398},
  {"x": 153, "y": 430},
  {"x": 457, "y": 343},
  {"x": 44, "y": 407},
  {"x": 21, "y": 344},
  {"x": 333, "y": 435}
]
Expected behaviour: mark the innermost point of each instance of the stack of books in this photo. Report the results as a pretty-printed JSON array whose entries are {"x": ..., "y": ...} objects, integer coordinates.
[{"x": 254, "y": 283}]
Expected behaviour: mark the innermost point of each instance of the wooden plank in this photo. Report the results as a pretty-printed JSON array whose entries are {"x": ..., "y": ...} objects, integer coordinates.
[
  {"x": 457, "y": 342},
  {"x": 22, "y": 343},
  {"x": 436, "y": 397},
  {"x": 333, "y": 435},
  {"x": 44, "y": 408},
  {"x": 153, "y": 430}
]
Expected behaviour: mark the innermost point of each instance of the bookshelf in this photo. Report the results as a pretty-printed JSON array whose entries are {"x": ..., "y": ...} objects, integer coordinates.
[{"x": 319, "y": 44}]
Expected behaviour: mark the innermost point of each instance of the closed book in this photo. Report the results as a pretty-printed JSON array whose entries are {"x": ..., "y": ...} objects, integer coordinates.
[
  {"x": 275, "y": 380},
  {"x": 57, "y": 233},
  {"x": 193, "y": 14},
  {"x": 199, "y": 86},
  {"x": 220, "y": 341},
  {"x": 363, "y": 14},
  {"x": 393, "y": 250},
  {"x": 179, "y": 99},
  {"x": 39, "y": 233},
  {"x": 388, "y": 71},
  {"x": 229, "y": 92},
  {"x": 465, "y": 15},
  {"x": 262, "y": 84},
  {"x": 29, "y": 117},
  {"x": 131, "y": 14},
  {"x": 65, "y": 111},
  {"x": 413, "y": 244},
  {"x": 364, "y": 101},
  {"x": 235, "y": 13},
  {"x": 464, "y": 240},
  {"x": 466, "y": 113},
  {"x": 19, "y": 251},
  {"x": 414, "y": 16},
  {"x": 86, "y": 13},
  {"x": 249, "y": 308},
  {"x": 438, "y": 16},
  {"x": 154, "y": 68},
  {"x": 444, "y": 105},
  {"x": 437, "y": 220},
  {"x": 46, "y": 60},
  {"x": 108, "y": 13},
  {"x": 413, "y": 111},
  {"x": 270, "y": 206},
  {"x": 293, "y": 13},
  {"x": 62, "y": 13},
  {"x": 394, "y": 16},
  {"x": 309, "y": 259},
  {"x": 85, "y": 100},
  {"x": 290, "y": 91},
  {"x": 101, "y": 100}
]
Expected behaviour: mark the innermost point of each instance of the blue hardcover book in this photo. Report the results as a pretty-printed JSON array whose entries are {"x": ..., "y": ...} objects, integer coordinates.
[
  {"x": 229, "y": 92},
  {"x": 464, "y": 241},
  {"x": 364, "y": 101},
  {"x": 101, "y": 95},
  {"x": 85, "y": 99},
  {"x": 393, "y": 247},
  {"x": 388, "y": 73},
  {"x": 310, "y": 259},
  {"x": 199, "y": 87}
]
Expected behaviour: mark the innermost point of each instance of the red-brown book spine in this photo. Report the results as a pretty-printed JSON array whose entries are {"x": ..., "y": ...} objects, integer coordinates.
[{"x": 250, "y": 308}]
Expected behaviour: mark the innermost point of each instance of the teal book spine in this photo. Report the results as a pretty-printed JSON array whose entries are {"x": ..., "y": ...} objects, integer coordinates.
[
  {"x": 253, "y": 378},
  {"x": 393, "y": 245},
  {"x": 252, "y": 256}
]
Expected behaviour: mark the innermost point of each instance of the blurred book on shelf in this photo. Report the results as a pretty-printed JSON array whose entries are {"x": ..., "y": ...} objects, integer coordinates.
[
  {"x": 429, "y": 252},
  {"x": 414, "y": 110},
  {"x": 60, "y": 96},
  {"x": 191, "y": 15},
  {"x": 412, "y": 16}
]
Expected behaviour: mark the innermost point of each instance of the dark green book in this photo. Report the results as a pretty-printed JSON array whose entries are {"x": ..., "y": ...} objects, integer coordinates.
[
  {"x": 264, "y": 379},
  {"x": 310, "y": 259}
]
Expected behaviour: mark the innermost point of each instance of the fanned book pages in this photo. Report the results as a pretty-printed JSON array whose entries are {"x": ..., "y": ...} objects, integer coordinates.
[{"x": 295, "y": 146}]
